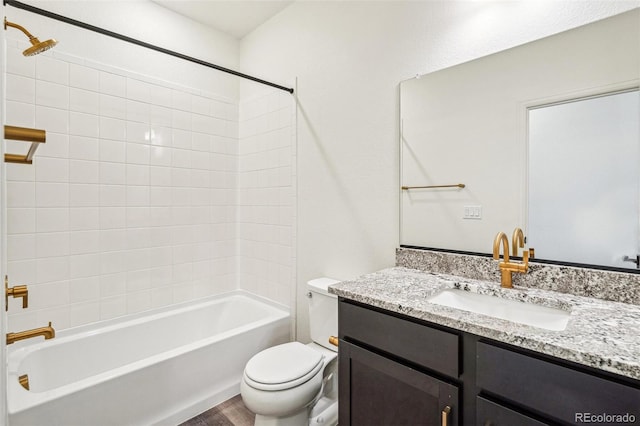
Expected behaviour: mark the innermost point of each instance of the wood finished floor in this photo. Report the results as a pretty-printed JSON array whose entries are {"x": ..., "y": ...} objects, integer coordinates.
[{"x": 230, "y": 413}]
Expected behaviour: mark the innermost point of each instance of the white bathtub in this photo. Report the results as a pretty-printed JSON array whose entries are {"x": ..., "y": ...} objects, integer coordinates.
[{"x": 157, "y": 368}]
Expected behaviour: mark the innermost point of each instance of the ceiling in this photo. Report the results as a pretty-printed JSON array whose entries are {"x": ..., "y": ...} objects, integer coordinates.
[{"x": 234, "y": 17}]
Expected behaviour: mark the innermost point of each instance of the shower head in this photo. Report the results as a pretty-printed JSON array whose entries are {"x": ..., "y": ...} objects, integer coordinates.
[{"x": 37, "y": 46}]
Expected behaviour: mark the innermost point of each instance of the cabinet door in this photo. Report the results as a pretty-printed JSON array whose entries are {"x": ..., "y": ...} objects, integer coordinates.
[{"x": 375, "y": 390}]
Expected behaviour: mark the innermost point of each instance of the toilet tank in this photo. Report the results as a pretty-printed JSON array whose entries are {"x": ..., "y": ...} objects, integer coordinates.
[{"x": 323, "y": 311}]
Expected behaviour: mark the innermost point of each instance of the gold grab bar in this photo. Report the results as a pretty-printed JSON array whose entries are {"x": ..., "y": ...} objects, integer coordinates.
[
  {"x": 457, "y": 185},
  {"x": 25, "y": 134}
]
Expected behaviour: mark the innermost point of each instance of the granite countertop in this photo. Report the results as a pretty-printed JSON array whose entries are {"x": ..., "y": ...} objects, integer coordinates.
[{"x": 600, "y": 334}]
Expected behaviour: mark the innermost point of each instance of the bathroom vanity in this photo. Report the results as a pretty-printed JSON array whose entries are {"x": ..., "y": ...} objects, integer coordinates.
[{"x": 406, "y": 360}]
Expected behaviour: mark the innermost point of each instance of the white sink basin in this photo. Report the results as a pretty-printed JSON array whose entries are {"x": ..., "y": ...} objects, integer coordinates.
[{"x": 520, "y": 312}]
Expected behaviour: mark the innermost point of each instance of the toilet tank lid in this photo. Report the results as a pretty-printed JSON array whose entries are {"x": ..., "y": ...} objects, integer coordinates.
[{"x": 321, "y": 285}]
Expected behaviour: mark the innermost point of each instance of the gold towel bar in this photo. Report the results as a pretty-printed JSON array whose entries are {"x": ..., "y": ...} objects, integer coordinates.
[
  {"x": 457, "y": 185},
  {"x": 25, "y": 134}
]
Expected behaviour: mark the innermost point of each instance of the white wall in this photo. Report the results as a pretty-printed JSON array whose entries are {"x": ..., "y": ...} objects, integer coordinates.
[
  {"x": 147, "y": 22},
  {"x": 266, "y": 195},
  {"x": 131, "y": 203},
  {"x": 348, "y": 58}
]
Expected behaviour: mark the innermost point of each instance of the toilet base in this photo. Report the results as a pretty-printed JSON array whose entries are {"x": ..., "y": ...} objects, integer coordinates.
[
  {"x": 300, "y": 418},
  {"x": 324, "y": 413}
]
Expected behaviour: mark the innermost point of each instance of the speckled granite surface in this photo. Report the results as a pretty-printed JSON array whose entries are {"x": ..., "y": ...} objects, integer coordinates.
[
  {"x": 601, "y": 334},
  {"x": 607, "y": 285}
]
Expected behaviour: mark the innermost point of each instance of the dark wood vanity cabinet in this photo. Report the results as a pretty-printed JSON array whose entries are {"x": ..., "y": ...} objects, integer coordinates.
[
  {"x": 397, "y": 370},
  {"x": 552, "y": 388},
  {"x": 383, "y": 391}
]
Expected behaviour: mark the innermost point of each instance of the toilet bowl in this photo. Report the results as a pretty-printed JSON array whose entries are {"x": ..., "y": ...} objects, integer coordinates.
[{"x": 294, "y": 384}]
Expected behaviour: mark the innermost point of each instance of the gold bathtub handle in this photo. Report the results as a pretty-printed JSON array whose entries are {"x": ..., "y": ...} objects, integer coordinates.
[{"x": 333, "y": 340}]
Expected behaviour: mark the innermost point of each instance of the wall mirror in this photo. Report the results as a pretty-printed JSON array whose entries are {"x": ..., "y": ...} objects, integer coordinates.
[
  {"x": 543, "y": 136},
  {"x": 583, "y": 180}
]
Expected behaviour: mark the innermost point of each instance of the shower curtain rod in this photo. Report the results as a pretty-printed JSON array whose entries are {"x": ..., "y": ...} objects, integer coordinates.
[{"x": 46, "y": 13}]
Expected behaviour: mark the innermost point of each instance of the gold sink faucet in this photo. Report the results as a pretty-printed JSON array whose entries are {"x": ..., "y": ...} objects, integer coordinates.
[
  {"x": 517, "y": 240},
  {"x": 507, "y": 267},
  {"x": 48, "y": 332}
]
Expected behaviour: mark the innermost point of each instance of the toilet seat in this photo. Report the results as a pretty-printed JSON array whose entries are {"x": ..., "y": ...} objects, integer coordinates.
[{"x": 283, "y": 367}]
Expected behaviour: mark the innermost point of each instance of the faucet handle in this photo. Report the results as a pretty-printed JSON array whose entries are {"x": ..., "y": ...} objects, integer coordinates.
[{"x": 15, "y": 291}]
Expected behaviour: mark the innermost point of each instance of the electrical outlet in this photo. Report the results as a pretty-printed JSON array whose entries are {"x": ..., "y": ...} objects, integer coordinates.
[{"x": 472, "y": 212}]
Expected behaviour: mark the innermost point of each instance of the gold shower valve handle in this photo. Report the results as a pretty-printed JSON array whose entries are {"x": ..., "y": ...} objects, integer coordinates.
[
  {"x": 16, "y": 292},
  {"x": 23, "y": 292}
]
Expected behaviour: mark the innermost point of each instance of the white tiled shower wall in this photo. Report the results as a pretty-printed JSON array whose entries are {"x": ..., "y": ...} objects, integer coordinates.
[
  {"x": 266, "y": 196},
  {"x": 134, "y": 201}
]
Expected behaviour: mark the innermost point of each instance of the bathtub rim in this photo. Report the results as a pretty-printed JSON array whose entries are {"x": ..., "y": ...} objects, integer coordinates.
[
  {"x": 19, "y": 399},
  {"x": 142, "y": 314}
]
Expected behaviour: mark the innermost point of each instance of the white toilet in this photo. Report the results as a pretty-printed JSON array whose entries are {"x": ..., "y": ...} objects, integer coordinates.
[{"x": 295, "y": 384}]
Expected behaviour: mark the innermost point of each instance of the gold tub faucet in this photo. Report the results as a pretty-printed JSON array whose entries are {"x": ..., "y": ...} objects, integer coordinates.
[
  {"x": 48, "y": 332},
  {"x": 506, "y": 266}
]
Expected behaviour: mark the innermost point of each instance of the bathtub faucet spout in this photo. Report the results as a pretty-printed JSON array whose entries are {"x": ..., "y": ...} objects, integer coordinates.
[{"x": 48, "y": 332}]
